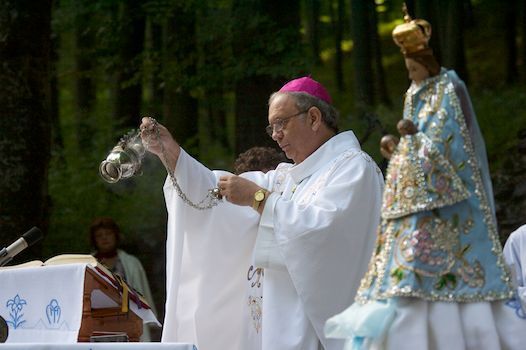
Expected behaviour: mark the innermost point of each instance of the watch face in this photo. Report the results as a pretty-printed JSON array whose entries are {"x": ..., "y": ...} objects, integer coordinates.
[
  {"x": 259, "y": 196},
  {"x": 4, "y": 330}
]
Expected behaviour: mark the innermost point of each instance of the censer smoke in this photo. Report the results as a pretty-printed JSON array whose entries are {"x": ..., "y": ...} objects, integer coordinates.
[{"x": 125, "y": 161}]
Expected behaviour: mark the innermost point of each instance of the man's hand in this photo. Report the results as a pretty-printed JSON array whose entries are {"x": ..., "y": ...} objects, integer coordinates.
[
  {"x": 158, "y": 140},
  {"x": 237, "y": 190}
]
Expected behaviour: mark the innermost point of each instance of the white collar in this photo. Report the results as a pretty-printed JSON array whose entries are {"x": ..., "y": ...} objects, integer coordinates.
[{"x": 325, "y": 153}]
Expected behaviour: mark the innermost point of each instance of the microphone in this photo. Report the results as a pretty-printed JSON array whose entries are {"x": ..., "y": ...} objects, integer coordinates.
[
  {"x": 4, "y": 330},
  {"x": 28, "y": 239}
]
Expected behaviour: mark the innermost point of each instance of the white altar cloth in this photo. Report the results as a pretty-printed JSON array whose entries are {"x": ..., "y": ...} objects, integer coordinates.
[
  {"x": 43, "y": 304},
  {"x": 100, "y": 346}
]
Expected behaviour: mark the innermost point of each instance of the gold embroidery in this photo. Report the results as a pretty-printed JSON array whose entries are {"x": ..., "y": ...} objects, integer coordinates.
[
  {"x": 255, "y": 303},
  {"x": 419, "y": 178},
  {"x": 259, "y": 272},
  {"x": 256, "y": 311}
]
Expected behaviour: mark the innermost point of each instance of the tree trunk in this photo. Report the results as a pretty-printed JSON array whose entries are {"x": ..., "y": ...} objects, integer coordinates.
[
  {"x": 523, "y": 32},
  {"x": 128, "y": 95},
  {"x": 180, "y": 113},
  {"x": 337, "y": 25},
  {"x": 25, "y": 126},
  {"x": 362, "y": 55},
  {"x": 509, "y": 23},
  {"x": 313, "y": 28},
  {"x": 431, "y": 11},
  {"x": 214, "y": 47},
  {"x": 155, "y": 84},
  {"x": 469, "y": 15},
  {"x": 271, "y": 21},
  {"x": 378, "y": 68},
  {"x": 447, "y": 18},
  {"x": 57, "y": 143},
  {"x": 452, "y": 46},
  {"x": 84, "y": 84},
  {"x": 411, "y": 8},
  {"x": 251, "y": 112}
]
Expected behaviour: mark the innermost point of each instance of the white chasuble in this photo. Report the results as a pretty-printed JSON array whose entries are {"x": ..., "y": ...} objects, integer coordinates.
[
  {"x": 314, "y": 239},
  {"x": 208, "y": 253}
]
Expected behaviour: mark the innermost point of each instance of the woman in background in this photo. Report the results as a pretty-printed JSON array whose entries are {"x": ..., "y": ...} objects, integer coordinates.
[{"x": 105, "y": 237}]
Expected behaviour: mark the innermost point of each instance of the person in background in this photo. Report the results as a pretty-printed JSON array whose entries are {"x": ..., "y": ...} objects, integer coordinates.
[
  {"x": 309, "y": 224},
  {"x": 256, "y": 159},
  {"x": 437, "y": 278},
  {"x": 105, "y": 237}
]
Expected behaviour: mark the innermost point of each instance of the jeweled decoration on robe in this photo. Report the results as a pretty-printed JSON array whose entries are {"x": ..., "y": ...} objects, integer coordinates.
[
  {"x": 420, "y": 178},
  {"x": 437, "y": 227}
]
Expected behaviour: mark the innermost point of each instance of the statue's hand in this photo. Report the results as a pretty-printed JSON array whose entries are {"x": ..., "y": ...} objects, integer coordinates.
[
  {"x": 406, "y": 127},
  {"x": 388, "y": 145}
]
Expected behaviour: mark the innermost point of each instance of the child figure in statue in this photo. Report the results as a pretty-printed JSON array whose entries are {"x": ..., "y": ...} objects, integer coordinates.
[{"x": 437, "y": 279}]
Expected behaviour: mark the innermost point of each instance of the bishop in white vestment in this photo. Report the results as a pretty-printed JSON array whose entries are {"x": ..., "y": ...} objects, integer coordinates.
[{"x": 310, "y": 225}]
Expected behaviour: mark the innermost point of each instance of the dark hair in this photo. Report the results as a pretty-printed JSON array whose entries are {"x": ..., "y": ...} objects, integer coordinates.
[
  {"x": 107, "y": 223},
  {"x": 258, "y": 158},
  {"x": 427, "y": 59}
]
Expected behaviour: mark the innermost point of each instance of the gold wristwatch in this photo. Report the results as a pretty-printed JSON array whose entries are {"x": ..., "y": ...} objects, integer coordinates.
[{"x": 259, "y": 197}]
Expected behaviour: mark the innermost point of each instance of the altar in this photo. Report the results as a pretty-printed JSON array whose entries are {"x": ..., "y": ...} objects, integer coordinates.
[
  {"x": 67, "y": 304},
  {"x": 100, "y": 346}
]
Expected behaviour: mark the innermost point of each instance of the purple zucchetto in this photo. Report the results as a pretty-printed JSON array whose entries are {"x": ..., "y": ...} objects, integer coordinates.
[{"x": 309, "y": 86}]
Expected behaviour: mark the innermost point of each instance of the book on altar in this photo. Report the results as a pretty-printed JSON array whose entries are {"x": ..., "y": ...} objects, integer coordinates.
[
  {"x": 88, "y": 259},
  {"x": 62, "y": 259}
]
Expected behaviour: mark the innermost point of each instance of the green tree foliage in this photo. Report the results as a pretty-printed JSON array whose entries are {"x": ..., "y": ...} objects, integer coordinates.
[
  {"x": 206, "y": 69},
  {"x": 180, "y": 108},
  {"x": 265, "y": 48},
  {"x": 25, "y": 125}
]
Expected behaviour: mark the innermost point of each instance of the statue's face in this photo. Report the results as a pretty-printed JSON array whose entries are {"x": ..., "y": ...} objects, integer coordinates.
[{"x": 417, "y": 72}]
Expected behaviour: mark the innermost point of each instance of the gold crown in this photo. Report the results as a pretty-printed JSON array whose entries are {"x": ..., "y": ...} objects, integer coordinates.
[{"x": 413, "y": 35}]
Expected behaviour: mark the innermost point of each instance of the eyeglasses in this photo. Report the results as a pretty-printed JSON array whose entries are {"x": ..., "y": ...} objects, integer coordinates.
[{"x": 280, "y": 123}]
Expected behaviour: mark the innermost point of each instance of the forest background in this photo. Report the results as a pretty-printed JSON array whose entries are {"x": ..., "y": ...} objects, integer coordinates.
[{"x": 76, "y": 75}]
